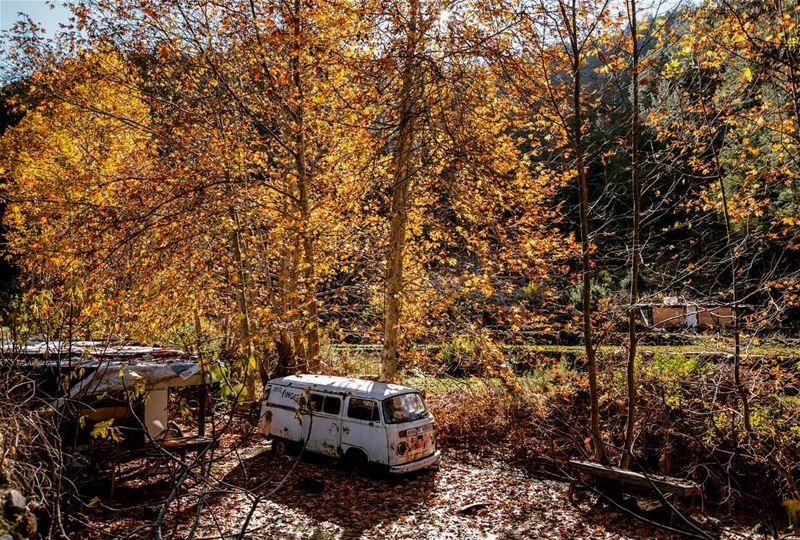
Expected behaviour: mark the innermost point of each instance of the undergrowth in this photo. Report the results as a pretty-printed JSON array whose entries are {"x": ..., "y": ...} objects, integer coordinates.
[{"x": 689, "y": 423}]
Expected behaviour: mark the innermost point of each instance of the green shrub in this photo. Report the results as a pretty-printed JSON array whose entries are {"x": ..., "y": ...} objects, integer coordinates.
[{"x": 670, "y": 370}]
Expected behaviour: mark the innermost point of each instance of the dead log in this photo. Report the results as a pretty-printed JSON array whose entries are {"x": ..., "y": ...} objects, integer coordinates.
[{"x": 651, "y": 482}]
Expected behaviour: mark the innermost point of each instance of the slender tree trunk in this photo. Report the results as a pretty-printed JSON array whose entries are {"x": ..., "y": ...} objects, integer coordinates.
[
  {"x": 737, "y": 349},
  {"x": 291, "y": 351},
  {"x": 311, "y": 325},
  {"x": 286, "y": 358},
  {"x": 295, "y": 302},
  {"x": 245, "y": 333},
  {"x": 275, "y": 328},
  {"x": 586, "y": 291},
  {"x": 636, "y": 247},
  {"x": 198, "y": 330},
  {"x": 309, "y": 276},
  {"x": 399, "y": 210}
]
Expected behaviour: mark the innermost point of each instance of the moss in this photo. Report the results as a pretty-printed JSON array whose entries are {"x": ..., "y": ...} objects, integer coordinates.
[
  {"x": 6, "y": 527},
  {"x": 21, "y": 528},
  {"x": 322, "y": 534},
  {"x": 5, "y": 478}
]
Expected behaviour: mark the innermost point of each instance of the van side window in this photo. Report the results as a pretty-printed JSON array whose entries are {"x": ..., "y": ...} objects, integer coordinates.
[
  {"x": 332, "y": 405},
  {"x": 363, "y": 409},
  {"x": 315, "y": 402}
]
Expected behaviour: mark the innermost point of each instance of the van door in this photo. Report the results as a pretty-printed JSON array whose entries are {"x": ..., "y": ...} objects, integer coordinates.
[
  {"x": 326, "y": 424},
  {"x": 362, "y": 428}
]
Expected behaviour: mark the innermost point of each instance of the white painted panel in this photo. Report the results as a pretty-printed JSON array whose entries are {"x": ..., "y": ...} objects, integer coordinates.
[{"x": 156, "y": 416}]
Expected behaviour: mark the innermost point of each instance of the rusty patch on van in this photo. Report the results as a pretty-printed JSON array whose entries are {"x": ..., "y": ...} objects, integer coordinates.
[{"x": 420, "y": 442}]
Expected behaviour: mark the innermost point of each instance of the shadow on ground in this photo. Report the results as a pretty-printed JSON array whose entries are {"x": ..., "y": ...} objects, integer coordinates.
[{"x": 323, "y": 491}]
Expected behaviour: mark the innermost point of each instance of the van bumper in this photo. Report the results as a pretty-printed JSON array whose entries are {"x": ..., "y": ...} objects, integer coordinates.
[{"x": 427, "y": 461}]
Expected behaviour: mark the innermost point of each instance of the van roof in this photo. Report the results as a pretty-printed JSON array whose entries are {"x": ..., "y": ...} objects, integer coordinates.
[{"x": 343, "y": 385}]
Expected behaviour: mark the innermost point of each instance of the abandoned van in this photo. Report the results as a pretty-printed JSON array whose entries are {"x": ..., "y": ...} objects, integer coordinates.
[{"x": 362, "y": 422}]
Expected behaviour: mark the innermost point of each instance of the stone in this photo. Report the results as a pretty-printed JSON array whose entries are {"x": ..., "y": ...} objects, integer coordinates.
[{"x": 13, "y": 502}]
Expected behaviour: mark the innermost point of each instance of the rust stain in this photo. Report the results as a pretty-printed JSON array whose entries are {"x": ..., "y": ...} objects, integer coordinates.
[{"x": 419, "y": 445}]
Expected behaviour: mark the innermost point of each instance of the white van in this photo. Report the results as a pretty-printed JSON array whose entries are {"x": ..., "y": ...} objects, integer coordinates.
[{"x": 363, "y": 422}]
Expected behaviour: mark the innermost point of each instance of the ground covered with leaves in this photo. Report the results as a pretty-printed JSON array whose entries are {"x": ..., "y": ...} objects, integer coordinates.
[
  {"x": 465, "y": 497},
  {"x": 506, "y": 444}
]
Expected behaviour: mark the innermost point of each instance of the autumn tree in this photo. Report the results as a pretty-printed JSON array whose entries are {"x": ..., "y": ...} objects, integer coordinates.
[
  {"x": 412, "y": 28},
  {"x": 465, "y": 204},
  {"x": 308, "y": 162},
  {"x": 734, "y": 129},
  {"x": 236, "y": 95},
  {"x": 548, "y": 51},
  {"x": 95, "y": 158}
]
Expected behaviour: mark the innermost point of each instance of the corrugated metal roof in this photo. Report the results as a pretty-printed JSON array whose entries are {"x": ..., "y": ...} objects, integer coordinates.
[
  {"x": 344, "y": 385},
  {"x": 92, "y": 349}
]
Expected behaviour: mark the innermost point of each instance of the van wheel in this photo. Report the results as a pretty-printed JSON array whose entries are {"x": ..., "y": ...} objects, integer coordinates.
[{"x": 356, "y": 461}]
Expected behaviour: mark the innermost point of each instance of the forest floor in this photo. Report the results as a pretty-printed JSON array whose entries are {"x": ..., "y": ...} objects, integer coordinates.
[
  {"x": 316, "y": 499},
  {"x": 319, "y": 500}
]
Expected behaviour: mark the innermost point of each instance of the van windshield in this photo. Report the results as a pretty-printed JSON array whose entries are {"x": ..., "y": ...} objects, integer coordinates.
[{"x": 404, "y": 408}]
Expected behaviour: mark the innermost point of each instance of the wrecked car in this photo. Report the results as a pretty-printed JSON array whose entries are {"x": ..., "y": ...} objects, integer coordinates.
[
  {"x": 114, "y": 393},
  {"x": 367, "y": 424}
]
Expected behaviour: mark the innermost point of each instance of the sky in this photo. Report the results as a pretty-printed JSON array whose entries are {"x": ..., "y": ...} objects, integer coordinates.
[
  {"x": 38, "y": 10},
  {"x": 49, "y": 18},
  {"x": 50, "y": 14}
]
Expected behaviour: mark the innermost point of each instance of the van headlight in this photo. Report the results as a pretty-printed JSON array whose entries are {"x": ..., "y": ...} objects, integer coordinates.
[{"x": 402, "y": 448}]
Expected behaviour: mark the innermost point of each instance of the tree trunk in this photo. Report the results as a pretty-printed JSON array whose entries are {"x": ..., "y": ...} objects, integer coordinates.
[
  {"x": 737, "y": 349},
  {"x": 586, "y": 291},
  {"x": 636, "y": 248},
  {"x": 245, "y": 333},
  {"x": 283, "y": 345},
  {"x": 198, "y": 330},
  {"x": 300, "y": 361},
  {"x": 311, "y": 324},
  {"x": 286, "y": 359},
  {"x": 399, "y": 210},
  {"x": 280, "y": 336}
]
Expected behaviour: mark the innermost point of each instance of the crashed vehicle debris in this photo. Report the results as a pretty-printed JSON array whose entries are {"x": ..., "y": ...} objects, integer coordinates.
[
  {"x": 115, "y": 395},
  {"x": 365, "y": 423}
]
